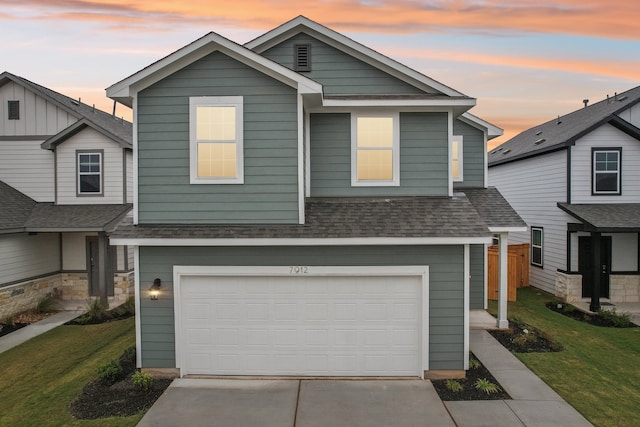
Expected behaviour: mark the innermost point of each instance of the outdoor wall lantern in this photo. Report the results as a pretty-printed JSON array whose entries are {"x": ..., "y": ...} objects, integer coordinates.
[{"x": 154, "y": 290}]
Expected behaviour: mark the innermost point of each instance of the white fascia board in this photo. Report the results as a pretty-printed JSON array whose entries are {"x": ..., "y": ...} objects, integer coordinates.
[
  {"x": 469, "y": 102},
  {"x": 492, "y": 130},
  {"x": 200, "y": 48},
  {"x": 356, "y": 241},
  {"x": 351, "y": 47},
  {"x": 507, "y": 229}
]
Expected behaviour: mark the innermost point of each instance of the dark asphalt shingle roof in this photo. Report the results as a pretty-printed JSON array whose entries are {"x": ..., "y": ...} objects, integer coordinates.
[
  {"x": 120, "y": 130},
  {"x": 15, "y": 208},
  {"x": 606, "y": 217},
  {"x": 50, "y": 217},
  {"x": 565, "y": 130},
  {"x": 343, "y": 218},
  {"x": 493, "y": 208}
]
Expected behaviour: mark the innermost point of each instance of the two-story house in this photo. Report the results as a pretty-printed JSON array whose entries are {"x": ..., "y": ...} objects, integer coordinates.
[
  {"x": 65, "y": 182},
  {"x": 576, "y": 181},
  {"x": 304, "y": 205}
]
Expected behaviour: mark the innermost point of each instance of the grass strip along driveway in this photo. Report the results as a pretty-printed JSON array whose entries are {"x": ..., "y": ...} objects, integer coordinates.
[
  {"x": 39, "y": 378},
  {"x": 598, "y": 373}
]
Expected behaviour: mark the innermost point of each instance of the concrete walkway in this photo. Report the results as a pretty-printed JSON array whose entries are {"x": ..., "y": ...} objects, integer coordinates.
[{"x": 16, "y": 338}]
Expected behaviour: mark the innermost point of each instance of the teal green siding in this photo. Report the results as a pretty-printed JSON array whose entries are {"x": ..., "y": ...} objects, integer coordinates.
[
  {"x": 338, "y": 72},
  {"x": 446, "y": 311},
  {"x": 476, "y": 294},
  {"x": 269, "y": 193},
  {"x": 473, "y": 155},
  {"x": 423, "y": 157}
]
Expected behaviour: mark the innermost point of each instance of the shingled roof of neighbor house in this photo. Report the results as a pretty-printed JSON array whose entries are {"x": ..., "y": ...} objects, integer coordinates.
[
  {"x": 565, "y": 130},
  {"x": 49, "y": 217},
  {"x": 401, "y": 217},
  {"x": 606, "y": 217},
  {"x": 493, "y": 208},
  {"x": 15, "y": 208}
]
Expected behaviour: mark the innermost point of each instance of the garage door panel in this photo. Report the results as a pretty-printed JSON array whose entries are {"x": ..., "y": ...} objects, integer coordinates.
[{"x": 301, "y": 325}]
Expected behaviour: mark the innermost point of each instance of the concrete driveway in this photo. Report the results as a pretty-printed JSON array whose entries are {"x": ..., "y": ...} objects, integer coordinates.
[{"x": 299, "y": 403}]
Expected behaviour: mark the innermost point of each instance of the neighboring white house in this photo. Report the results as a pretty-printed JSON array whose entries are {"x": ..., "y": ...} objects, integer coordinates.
[
  {"x": 65, "y": 183},
  {"x": 575, "y": 180}
]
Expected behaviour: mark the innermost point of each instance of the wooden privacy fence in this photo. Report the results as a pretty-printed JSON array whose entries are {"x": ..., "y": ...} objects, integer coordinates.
[{"x": 517, "y": 274}]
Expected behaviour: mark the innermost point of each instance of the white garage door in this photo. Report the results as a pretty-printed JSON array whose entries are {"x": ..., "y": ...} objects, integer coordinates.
[{"x": 293, "y": 325}]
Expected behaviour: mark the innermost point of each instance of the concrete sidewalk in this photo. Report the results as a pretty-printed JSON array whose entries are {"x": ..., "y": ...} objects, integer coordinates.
[{"x": 16, "y": 338}]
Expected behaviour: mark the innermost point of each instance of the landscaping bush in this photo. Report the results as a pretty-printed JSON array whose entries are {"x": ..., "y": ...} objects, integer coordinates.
[
  {"x": 110, "y": 373},
  {"x": 47, "y": 304},
  {"x": 142, "y": 381}
]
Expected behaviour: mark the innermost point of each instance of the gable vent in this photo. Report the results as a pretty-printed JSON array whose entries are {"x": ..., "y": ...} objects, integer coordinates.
[
  {"x": 14, "y": 110},
  {"x": 302, "y": 57}
]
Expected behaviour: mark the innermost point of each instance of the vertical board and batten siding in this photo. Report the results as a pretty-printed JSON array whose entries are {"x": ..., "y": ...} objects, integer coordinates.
[
  {"x": 129, "y": 175},
  {"x": 338, "y": 72},
  {"x": 581, "y": 169},
  {"x": 28, "y": 168},
  {"x": 112, "y": 174},
  {"x": 423, "y": 156},
  {"x": 632, "y": 115},
  {"x": 270, "y": 190},
  {"x": 473, "y": 155},
  {"x": 446, "y": 311},
  {"x": 23, "y": 256},
  {"x": 477, "y": 279},
  {"x": 533, "y": 187},
  {"x": 37, "y": 116}
]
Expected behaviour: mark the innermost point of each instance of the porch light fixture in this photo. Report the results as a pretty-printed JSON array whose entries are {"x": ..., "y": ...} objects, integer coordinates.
[{"x": 154, "y": 290}]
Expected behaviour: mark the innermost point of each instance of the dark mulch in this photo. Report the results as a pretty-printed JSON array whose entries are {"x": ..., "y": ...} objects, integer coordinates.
[
  {"x": 121, "y": 399},
  {"x": 521, "y": 338},
  {"x": 608, "y": 319},
  {"x": 7, "y": 329},
  {"x": 469, "y": 392},
  {"x": 119, "y": 313}
]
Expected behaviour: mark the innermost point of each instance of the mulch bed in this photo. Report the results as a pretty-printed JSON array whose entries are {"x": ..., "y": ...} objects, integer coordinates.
[
  {"x": 612, "y": 321},
  {"x": 521, "y": 338},
  {"x": 7, "y": 329},
  {"x": 21, "y": 320},
  {"x": 469, "y": 392}
]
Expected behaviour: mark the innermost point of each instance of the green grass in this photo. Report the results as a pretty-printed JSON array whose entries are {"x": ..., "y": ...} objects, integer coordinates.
[
  {"x": 598, "y": 373},
  {"x": 40, "y": 378}
]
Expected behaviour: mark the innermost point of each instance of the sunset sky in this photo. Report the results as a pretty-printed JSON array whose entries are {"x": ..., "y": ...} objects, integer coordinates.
[{"x": 526, "y": 61}]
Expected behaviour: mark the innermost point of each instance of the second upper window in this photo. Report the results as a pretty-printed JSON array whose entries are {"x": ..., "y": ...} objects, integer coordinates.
[
  {"x": 375, "y": 150},
  {"x": 606, "y": 171}
]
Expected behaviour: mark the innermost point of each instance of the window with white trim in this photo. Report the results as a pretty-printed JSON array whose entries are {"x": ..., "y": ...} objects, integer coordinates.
[
  {"x": 216, "y": 140},
  {"x": 606, "y": 171},
  {"x": 375, "y": 149},
  {"x": 89, "y": 167},
  {"x": 456, "y": 157},
  {"x": 537, "y": 241}
]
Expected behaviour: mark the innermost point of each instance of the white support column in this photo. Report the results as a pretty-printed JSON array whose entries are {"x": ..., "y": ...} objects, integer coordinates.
[{"x": 503, "y": 265}]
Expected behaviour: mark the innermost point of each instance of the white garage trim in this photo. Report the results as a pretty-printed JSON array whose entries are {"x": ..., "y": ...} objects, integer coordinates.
[{"x": 180, "y": 272}]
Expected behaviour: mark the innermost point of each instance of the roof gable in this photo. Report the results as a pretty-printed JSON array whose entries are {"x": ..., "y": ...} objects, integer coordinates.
[
  {"x": 122, "y": 136},
  {"x": 564, "y": 131},
  {"x": 14, "y": 209}
]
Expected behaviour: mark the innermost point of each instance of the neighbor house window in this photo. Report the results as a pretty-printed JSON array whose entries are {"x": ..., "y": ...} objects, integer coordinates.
[
  {"x": 13, "y": 107},
  {"x": 216, "y": 140},
  {"x": 537, "y": 240},
  {"x": 456, "y": 158},
  {"x": 606, "y": 170},
  {"x": 375, "y": 150},
  {"x": 89, "y": 173}
]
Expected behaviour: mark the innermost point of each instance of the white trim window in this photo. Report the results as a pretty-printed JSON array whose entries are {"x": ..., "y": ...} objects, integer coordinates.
[
  {"x": 375, "y": 149},
  {"x": 216, "y": 140},
  {"x": 606, "y": 171},
  {"x": 89, "y": 167},
  {"x": 456, "y": 158},
  {"x": 537, "y": 243}
]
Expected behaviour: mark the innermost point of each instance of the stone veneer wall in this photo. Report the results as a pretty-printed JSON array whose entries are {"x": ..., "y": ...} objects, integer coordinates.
[
  {"x": 624, "y": 288},
  {"x": 124, "y": 286},
  {"x": 569, "y": 287},
  {"x": 15, "y": 299}
]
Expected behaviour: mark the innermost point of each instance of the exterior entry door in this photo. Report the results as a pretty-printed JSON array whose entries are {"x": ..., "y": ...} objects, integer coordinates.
[
  {"x": 585, "y": 265},
  {"x": 93, "y": 266}
]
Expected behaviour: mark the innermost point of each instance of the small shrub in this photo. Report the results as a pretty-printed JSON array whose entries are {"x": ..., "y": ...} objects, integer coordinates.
[
  {"x": 486, "y": 386},
  {"x": 47, "y": 304},
  {"x": 7, "y": 322},
  {"x": 129, "y": 355},
  {"x": 96, "y": 311},
  {"x": 474, "y": 363},
  {"x": 130, "y": 305},
  {"x": 110, "y": 372},
  {"x": 524, "y": 338},
  {"x": 454, "y": 386},
  {"x": 618, "y": 320},
  {"x": 142, "y": 381}
]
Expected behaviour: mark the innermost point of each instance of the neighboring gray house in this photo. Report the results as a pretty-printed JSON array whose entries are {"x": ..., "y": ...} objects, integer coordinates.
[
  {"x": 300, "y": 206},
  {"x": 65, "y": 182},
  {"x": 576, "y": 181}
]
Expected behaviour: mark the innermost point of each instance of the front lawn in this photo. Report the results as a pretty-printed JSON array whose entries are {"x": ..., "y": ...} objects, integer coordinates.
[
  {"x": 39, "y": 378},
  {"x": 598, "y": 372}
]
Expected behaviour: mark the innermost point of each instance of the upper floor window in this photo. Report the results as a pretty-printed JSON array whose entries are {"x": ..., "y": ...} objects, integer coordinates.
[
  {"x": 89, "y": 173},
  {"x": 375, "y": 150},
  {"x": 456, "y": 158},
  {"x": 13, "y": 107},
  {"x": 537, "y": 236},
  {"x": 216, "y": 140},
  {"x": 606, "y": 171}
]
